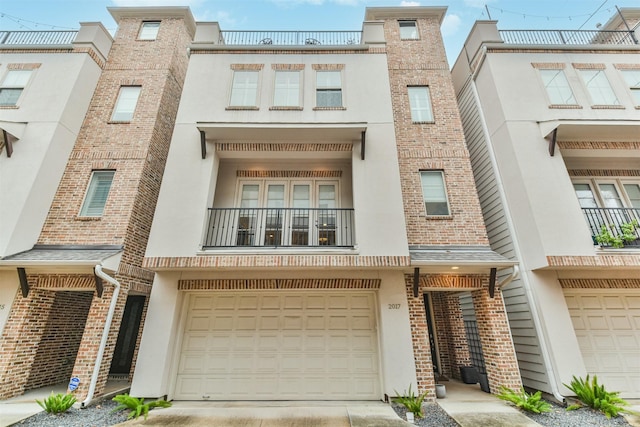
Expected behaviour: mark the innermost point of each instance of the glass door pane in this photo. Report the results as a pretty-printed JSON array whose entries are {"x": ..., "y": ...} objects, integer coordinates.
[
  {"x": 274, "y": 215},
  {"x": 327, "y": 215},
  {"x": 585, "y": 196},
  {"x": 247, "y": 214},
  {"x": 633, "y": 193},
  {"x": 300, "y": 215}
]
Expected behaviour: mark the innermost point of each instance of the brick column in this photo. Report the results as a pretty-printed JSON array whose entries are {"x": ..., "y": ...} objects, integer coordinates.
[
  {"x": 91, "y": 338},
  {"x": 495, "y": 337},
  {"x": 20, "y": 339},
  {"x": 420, "y": 341},
  {"x": 458, "y": 345}
]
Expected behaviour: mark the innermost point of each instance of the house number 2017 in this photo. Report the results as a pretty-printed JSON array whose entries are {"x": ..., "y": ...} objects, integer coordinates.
[{"x": 394, "y": 306}]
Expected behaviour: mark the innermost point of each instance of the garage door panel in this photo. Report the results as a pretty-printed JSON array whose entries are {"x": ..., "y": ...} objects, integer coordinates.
[
  {"x": 279, "y": 346},
  {"x": 607, "y": 326}
]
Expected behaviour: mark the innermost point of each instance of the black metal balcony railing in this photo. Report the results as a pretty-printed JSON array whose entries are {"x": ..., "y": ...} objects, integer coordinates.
[
  {"x": 567, "y": 37},
  {"x": 290, "y": 38},
  {"x": 37, "y": 37},
  {"x": 612, "y": 219},
  {"x": 276, "y": 228}
]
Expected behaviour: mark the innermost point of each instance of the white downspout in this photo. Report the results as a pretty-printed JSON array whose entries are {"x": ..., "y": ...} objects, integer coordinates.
[
  {"x": 514, "y": 275},
  {"x": 105, "y": 333}
]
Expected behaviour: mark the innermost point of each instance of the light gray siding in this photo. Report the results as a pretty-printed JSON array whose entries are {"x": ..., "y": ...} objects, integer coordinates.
[{"x": 521, "y": 322}]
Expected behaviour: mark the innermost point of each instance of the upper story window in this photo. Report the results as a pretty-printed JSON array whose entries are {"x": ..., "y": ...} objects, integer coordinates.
[
  {"x": 287, "y": 89},
  {"x": 244, "y": 89},
  {"x": 328, "y": 89},
  {"x": 126, "y": 104},
  {"x": 408, "y": 30},
  {"x": 599, "y": 87},
  {"x": 632, "y": 77},
  {"x": 434, "y": 193},
  {"x": 149, "y": 30},
  {"x": 97, "y": 193},
  {"x": 12, "y": 86},
  {"x": 557, "y": 86},
  {"x": 420, "y": 104}
]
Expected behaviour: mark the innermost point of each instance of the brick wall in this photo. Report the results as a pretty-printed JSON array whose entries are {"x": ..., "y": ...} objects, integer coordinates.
[
  {"x": 452, "y": 338},
  {"x": 439, "y": 145},
  {"x": 56, "y": 353}
]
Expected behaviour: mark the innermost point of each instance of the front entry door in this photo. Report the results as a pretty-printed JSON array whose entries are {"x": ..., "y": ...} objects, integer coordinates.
[{"x": 128, "y": 336}]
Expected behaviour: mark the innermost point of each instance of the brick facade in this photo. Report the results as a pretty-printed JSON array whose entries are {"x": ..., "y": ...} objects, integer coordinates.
[{"x": 137, "y": 152}]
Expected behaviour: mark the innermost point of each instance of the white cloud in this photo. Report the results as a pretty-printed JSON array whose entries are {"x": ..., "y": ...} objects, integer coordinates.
[
  {"x": 409, "y": 3},
  {"x": 450, "y": 24}
]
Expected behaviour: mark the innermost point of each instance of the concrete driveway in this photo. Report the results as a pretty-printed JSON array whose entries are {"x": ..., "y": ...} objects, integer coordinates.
[{"x": 273, "y": 414}]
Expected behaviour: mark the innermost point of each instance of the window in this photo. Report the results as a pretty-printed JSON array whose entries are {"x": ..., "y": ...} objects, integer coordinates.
[
  {"x": 126, "y": 104},
  {"x": 434, "y": 193},
  {"x": 288, "y": 213},
  {"x": 632, "y": 77},
  {"x": 420, "y": 104},
  {"x": 12, "y": 86},
  {"x": 96, "y": 197},
  {"x": 557, "y": 86},
  {"x": 408, "y": 30},
  {"x": 328, "y": 89},
  {"x": 287, "y": 89},
  {"x": 599, "y": 87},
  {"x": 608, "y": 202},
  {"x": 244, "y": 89},
  {"x": 149, "y": 30}
]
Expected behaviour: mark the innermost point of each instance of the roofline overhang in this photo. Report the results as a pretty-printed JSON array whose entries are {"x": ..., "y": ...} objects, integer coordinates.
[{"x": 408, "y": 12}]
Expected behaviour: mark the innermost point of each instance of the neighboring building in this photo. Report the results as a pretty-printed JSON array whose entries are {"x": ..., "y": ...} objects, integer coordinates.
[
  {"x": 552, "y": 121},
  {"x": 92, "y": 116},
  {"x": 317, "y": 221}
]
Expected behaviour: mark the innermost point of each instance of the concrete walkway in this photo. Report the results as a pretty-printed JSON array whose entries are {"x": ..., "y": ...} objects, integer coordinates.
[
  {"x": 471, "y": 407},
  {"x": 20, "y": 407}
]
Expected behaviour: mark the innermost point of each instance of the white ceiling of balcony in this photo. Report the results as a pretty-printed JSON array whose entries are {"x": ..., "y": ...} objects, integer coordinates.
[
  {"x": 592, "y": 130},
  {"x": 294, "y": 132}
]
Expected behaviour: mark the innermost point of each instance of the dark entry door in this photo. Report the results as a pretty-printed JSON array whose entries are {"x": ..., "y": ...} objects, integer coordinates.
[
  {"x": 432, "y": 334},
  {"x": 128, "y": 335}
]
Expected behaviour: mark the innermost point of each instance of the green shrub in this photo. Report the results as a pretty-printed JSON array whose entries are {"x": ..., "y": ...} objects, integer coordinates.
[
  {"x": 137, "y": 405},
  {"x": 410, "y": 401},
  {"x": 594, "y": 395},
  {"x": 627, "y": 234},
  {"x": 57, "y": 403},
  {"x": 523, "y": 400}
]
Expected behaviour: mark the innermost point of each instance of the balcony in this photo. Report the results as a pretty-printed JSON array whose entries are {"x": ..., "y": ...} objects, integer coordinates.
[
  {"x": 567, "y": 37},
  {"x": 613, "y": 221},
  {"x": 279, "y": 228},
  {"x": 290, "y": 38},
  {"x": 37, "y": 38}
]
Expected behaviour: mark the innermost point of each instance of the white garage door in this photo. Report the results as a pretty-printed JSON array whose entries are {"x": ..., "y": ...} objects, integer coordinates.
[
  {"x": 273, "y": 345},
  {"x": 607, "y": 324}
]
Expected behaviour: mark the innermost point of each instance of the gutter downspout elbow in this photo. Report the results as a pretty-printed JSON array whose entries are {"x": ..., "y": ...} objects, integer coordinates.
[
  {"x": 105, "y": 334},
  {"x": 514, "y": 275}
]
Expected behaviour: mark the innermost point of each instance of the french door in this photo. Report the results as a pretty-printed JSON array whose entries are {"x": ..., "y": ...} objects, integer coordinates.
[{"x": 287, "y": 213}]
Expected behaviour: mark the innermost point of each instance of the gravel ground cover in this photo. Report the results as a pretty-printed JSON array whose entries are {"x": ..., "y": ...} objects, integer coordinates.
[
  {"x": 99, "y": 415},
  {"x": 434, "y": 415},
  {"x": 583, "y": 417}
]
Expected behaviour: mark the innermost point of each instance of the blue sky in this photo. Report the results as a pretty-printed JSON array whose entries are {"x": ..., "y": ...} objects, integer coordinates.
[{"x": 321, "y": 14}]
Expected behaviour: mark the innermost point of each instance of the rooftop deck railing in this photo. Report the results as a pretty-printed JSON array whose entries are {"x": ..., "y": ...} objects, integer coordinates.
[
  {"x": 290, "y": 38},
  {"x": 279, "y": 227},
  {"x": 567, "y": 37},
  {"x": 14, "y": 38},
  {"x": 611, "y": 220}
]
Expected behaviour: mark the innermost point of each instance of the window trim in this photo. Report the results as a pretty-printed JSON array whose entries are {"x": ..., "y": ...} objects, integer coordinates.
[
  {"x": 117, "y": 105},
  {"x": 415, "y": 27},
  {"x": 23, "y": 89},
  {"x": 444, "y": 189},
  {"x": 618, "y": 182},
  {"x": 255, "y": 105},
  {"x": 429, "y": 102},
  {"x": 328, "y": 88},
  {"x": 299, "y": 104},
  {"x": 143, "y": 27},
  {"x": 91, "y": 191}
]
